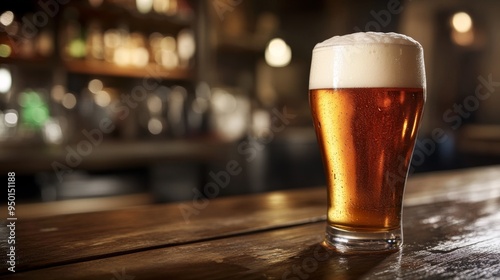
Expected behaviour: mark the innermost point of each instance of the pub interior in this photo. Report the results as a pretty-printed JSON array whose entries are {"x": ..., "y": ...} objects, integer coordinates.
[{"x": 113, "y": 103}]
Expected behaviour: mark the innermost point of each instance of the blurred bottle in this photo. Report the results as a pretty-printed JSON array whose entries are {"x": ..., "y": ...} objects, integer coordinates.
[
  {"x": 95, "y": 41},
  {"x": 230, "y": 113},
  {"x": 199, "y": 109},
  {"x": 176, "y": 111},
  {"x": 73, "y": 43},
  {"x": 186, "y": 47}
]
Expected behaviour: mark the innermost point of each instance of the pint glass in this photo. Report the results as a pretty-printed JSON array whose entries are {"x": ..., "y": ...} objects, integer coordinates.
[{"x": 366, "y": 92}]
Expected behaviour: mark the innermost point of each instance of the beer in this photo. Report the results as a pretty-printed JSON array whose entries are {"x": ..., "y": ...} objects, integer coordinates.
[
  {"x": 366, "y": 92},
  {"x": 363, "y": 132}
]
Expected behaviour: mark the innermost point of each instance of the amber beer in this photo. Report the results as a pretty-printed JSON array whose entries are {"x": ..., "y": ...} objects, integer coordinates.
[{"x": 366, "y": 127}]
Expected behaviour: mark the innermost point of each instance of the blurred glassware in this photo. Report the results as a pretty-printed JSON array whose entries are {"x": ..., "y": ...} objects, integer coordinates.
[
  {"x": 5, "y": 80},
  {"x": 95, "y": 41},
  {"x": 112, "y": 40},
  {"x": 72, "y": 37},
  {"x": 197, "y": 112},
  {"x": 7, "y": 18},
  {"x": 8, "y": 123},
  {"x": 52, "y": 132},
  {"x": 44, "y": 42},
  {"x": 122, "y": 53},
  {"x": 230, "y": 113},
  {"x": 278, "y": 53},
  {"x": 186, "y": 46},
  {"x": 176, "y": 100},
  {"x": 138, "y": 52},
  {"x": 144, "y": 6},
  {"x": 155, "y": 104},
  {"x": 261, "y": 123},
  {"x": 34, "y": 109}
]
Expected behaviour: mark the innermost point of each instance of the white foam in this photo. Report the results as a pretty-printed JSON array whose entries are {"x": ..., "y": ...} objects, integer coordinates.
[{"x": 368, "y": 59}]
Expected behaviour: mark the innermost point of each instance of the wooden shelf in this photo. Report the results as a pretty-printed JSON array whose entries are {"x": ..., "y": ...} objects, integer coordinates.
[
  {"x": 481, "y": 140},
  {"x": 244, "y": 44},
  {"x": 113, "y": 11},
  {"x": 34, "y": 61},
  {"x": 112, "y": 154},
  {"x": 95, "y": 67}
]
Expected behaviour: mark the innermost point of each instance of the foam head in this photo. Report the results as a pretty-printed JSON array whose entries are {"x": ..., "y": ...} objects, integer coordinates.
[{"x": 368, "y": 59}]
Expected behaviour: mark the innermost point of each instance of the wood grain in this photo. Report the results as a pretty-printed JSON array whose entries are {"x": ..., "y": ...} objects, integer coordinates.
[
  {"x": 71, "y": 238},
  {"x": 451, "y": 226},
  {"x": 443, "y": 240}
]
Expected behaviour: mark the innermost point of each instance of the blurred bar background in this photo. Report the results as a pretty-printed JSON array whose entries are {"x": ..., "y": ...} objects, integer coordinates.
[{"x": 113, "y": 103}]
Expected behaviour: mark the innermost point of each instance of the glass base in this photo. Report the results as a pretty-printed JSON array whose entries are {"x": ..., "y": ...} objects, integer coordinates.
[{"x": 351, "y": 242}]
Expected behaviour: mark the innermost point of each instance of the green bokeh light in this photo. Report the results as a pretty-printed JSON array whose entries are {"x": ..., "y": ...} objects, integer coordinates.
[
  {"x": 5, "y": 50},
  {"x": 34, "y": 110}
]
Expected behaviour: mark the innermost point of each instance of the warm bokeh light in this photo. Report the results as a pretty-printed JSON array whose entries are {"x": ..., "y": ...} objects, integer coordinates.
[
  {"x": 276, "y": 199},
  {"x": 122, "y": 56},
  {"x": 140, "y": 57},
  {"x": 112, "y": 38},
  {"x": 169, "y": 59},
  {"x": 278, "y": 53},
  {"x": 102, "y": 98},
  {"x": 462, "y": 32},
  {"x": 155, "y": 126},
  {"x": 5, "y": 80},
  {"x": 69, "y": 101},
  {"x": 261, "y": 122},
  {"x": 200, "y": 105},
  {"x": 144, "y": 6},
  {"x": 161, "y": 6},
  {"x": 95, "y": 85},
  {"x": 168, "y": 43},
  {"x": 461, "y": 22},
  {"x": 44, "y": 43},
  {"x": 7, "y": 18},
  {"x": 230, "y": 112},
  {"x": 57, "y": 93},
  {"x": 154, "y": 104},
  {"x": 223, "y": 101},
  {"x": 185, "y": 44}
]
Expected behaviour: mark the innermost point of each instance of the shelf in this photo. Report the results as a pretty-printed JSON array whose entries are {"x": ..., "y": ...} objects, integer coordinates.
[
  {"x": 246, "y": 44},
  {"x": 95, "y": 67},
  {"x": 479, "y": 139},
  {"x": 104, "y": 68},
  {"x": 111, "y": 154},
  {"x": 113, "y": 11},
  {"x": 36, "y": 61}
]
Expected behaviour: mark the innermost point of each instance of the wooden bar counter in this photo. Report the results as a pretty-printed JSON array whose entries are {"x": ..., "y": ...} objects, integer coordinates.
[{"x": 451, "y": 231}]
